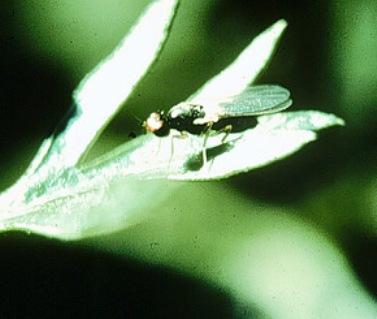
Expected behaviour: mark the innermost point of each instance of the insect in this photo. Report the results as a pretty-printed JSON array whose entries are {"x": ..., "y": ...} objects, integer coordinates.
[{"x": 202, "y": 118}]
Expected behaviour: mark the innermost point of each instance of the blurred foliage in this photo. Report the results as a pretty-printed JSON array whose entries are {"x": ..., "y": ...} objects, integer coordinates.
[
  {"x": 322, "y": 200},
  {"x": 355, "y": 43}
]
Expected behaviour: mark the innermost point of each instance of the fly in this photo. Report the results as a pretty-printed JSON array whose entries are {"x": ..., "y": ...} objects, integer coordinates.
[{"x": 210, "y": 116}]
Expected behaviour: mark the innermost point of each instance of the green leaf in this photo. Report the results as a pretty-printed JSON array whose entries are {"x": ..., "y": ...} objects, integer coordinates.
[
  {"x": 37, "y": 199},
  {"x": 57, "y": 197}
]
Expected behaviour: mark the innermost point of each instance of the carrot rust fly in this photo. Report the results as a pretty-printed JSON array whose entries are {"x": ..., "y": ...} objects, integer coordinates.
[{"x": 214, "y": 115}]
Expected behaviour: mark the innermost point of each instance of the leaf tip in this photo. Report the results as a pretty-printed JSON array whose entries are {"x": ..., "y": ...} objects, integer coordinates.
[
  {"x": 340, "y": 121},
  {"x": 279, "y": 26}
]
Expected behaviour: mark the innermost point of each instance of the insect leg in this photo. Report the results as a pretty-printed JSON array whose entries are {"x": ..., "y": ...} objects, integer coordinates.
[
  {"x": 182, "y": 134},
  {"x": 157, "y": 151},
  {"x": 171, "y": 149},
  {"x": 206, "y": 132},
  {"x": 226, "y": 130}
]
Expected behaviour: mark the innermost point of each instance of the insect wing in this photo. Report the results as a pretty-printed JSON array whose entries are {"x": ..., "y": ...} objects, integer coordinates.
[{"x": 256, "y": 100}]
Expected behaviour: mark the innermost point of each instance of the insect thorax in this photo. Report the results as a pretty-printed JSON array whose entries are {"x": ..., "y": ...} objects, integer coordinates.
[
  {"x": 186, "y": 110},
  {"x": 181, "y": 117}
]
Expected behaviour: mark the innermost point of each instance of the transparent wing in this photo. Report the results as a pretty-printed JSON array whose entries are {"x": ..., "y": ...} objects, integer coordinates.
[{"x": 256, "y": 100}]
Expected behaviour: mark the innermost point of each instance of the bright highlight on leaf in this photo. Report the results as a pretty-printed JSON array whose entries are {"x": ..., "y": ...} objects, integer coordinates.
[{"x": 59, "y": 197}]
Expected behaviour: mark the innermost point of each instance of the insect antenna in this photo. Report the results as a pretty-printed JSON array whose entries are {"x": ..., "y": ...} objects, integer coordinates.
[{"x": 137, "y": 118}]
